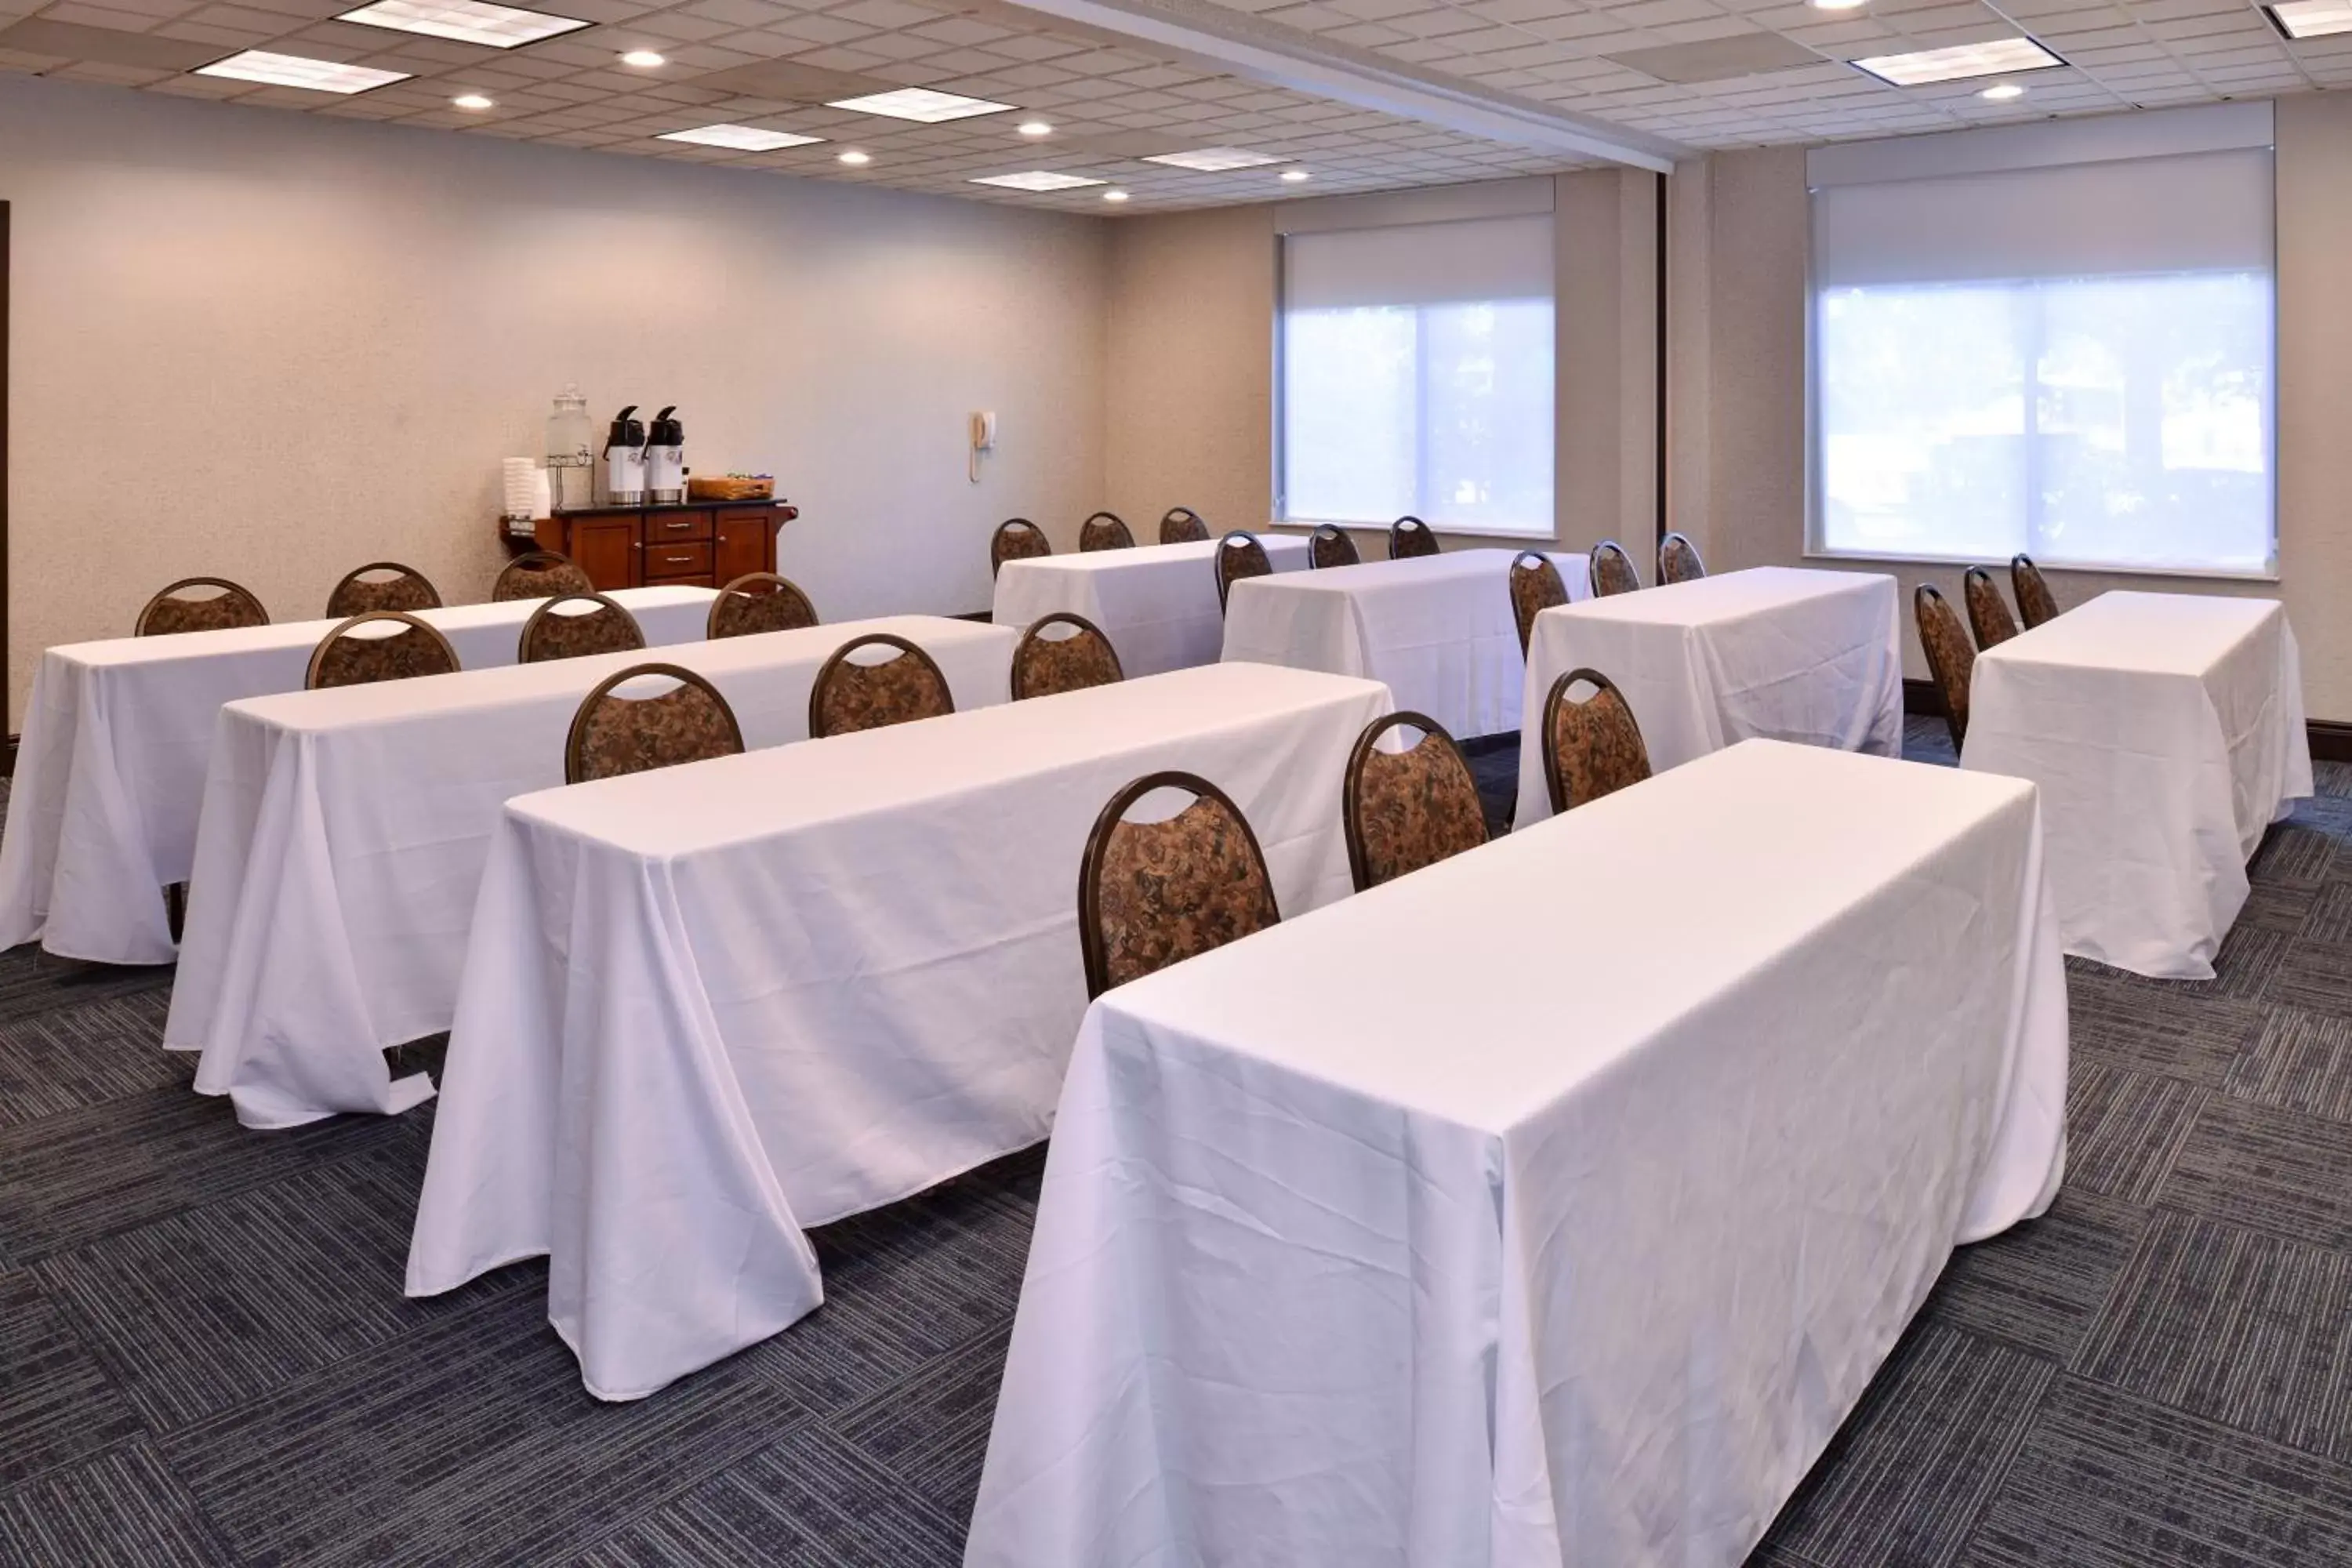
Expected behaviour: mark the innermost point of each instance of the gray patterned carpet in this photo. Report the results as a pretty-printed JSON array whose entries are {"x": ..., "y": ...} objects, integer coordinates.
[{"x": 205, "y": 1358}]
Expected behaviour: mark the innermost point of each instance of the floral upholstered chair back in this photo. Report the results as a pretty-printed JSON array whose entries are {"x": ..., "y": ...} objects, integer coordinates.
[
  {"x": 1409, "y": 537},
  {"x": 176, "y": 610},
  {"x": 575, "y": 625},
  {"x": 1950, "y": 660},
  {"x": 404, "y": 588},
  {"x": 1989, "y": 614},
  {"x": 1591, "y": 747},
  {"x": 1331, "y": 545},
  {"x": 1240, "y": 555},
  {"x": 1105, "y": 531},
  {"x": 614, "y": 734},
  {"x": 850, "y": 695},
  {"x": 759, "y": 602},
  {"x": 1155, "y": 893},
  {"x": 1536, "y": 586},
  {"x": 382, "y": 644},
  {"x": 1182, "y": 525},
  {"x": 541, "y": 575},
  {"x": 1612, "y": 569},
  {"x": 1679, "y": 560},
  {"x": 2036, "y": 601},
  {"x": 1405, "y": 809},
  {"x": 1044, "y": 666},
  {"x": 1016, "y": 538}
]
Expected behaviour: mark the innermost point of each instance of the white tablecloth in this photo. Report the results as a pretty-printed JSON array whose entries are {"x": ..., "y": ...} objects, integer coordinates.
[
  {"x": 1157, "y": 603},
  {"x": 117, "y": 737},
  {"x": 1773, "y": 652},
  {"x": 343, "y": 836},
  {"x": 1550, "y": 1204},
  {"x": 707, "y": 1007},
  {"x": 1437, "y": 630},
  {"x": 2167, "y": 732}
]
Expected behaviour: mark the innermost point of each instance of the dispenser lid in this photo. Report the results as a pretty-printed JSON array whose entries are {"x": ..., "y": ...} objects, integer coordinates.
[
  {"x": 667, "y": 431},
  {"x": 572, "y": 400},
  {"x": 626, "y": 431}
]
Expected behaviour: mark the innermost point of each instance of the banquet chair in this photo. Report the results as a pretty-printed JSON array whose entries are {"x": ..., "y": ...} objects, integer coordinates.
[
  {"x": 1409, "y": 536},
  {"x": 2036, "y": 601},
  {"x": 1155, "y": 893},
  {"x": 1104, "y": 530},
  {"x": 1331, "y": 545},
  {"x": 540, "y": 574},
  {"x": 172, "y": 610},
  {"x": 1182, "y": 525},
  {"x": 1403, "y": 810},
  {"x": 1535, "y": 588},
  {"x": 344, "y": 659},
  {"x": 1044, "y": 666},
  {"x": 612, "y": 734},
  {"x": 603, "y": 628},
  {"x": 1239, "y": 554},
  {"x": 1016, "y": 538},
  {"x": 759, "y": 602},
  {"x": 406, "y": 589},
  {"x": 1591, "y": 748},
  {"x": 1950, "y": 660},
  {"x": 1611, "y": 571},
  {"x": 849, "y": 697},
  {"x": 1989, "y": 614},
  {"x": 1679, "y": 560}
]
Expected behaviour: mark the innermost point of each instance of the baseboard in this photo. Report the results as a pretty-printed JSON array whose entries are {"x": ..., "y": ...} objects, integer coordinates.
[
  {"x": 974, "y": 615},
  {"x": 8, "y": 759}
]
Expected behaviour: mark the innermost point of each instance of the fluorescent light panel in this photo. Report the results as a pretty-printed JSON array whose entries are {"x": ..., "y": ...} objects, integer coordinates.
[
  {"x": 2312, "y": 18},
  {"x": 1215, "y": 159},
  {"x": 300, "y": 70},
  {"x": 468, "y": 21},
  {"x": 1037, "y": 180},
  {"x": 921, "y": 105},
  {"x": 1997, "y": 57},
  {"x": 739, "y": 138}
]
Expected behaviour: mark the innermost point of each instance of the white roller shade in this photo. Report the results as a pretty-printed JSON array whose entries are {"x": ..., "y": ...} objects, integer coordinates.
[{"x": 1419, "y": 264}]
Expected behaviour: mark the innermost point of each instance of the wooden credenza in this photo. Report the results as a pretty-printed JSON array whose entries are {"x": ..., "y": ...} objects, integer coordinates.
[{"x": 700, "y": 544}]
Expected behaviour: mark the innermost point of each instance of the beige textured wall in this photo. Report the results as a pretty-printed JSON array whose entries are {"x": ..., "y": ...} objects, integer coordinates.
[
  {"x": 1737, "y": 244},
  {"x": 273, "y": 346},
  {"x": 1189, "y": 375}
]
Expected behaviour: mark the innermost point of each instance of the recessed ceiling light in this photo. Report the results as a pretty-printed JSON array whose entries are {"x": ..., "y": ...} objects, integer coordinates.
[
  {"x": 474, "y": 101},
  {"x": 1838, "y": 5},
  {"x": 855, "y": 158},
  {"x": 2312, "y": 18},
  {"x": 1294, "y": 176},
  {"x": 1036, "y": 180},
  {"x": 1214, "y": 159},
  {"x": 1997, "y": 58},
  {"x": 1114, "y": 196},
  {"x": 468, "y": 21},
  {"x": 2001, "y": 92},
  {"x": 1034, "y": 128},
  {"x": 644, "y": 59},
  {"x": 740, "y": 138},
  {"x": 300, "y": 70},
  {"x": 920, "y": 104}
]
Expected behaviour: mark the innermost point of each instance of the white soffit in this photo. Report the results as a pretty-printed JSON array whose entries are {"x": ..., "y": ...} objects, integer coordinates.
[
  {"x": 1531, "y": 196},
  {"x": 2210, "y": 128}
]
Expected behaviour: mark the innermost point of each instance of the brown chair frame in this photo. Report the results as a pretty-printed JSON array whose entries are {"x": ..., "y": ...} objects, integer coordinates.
[
  {"x": 1526, "y": 624},
  {"x": 536, "y": 561},
  {"x": 1684, "y": 540},
  {"x": 2036, "y": 604},
  {"x": 1090, "y": 945},
  {"x": 139, "y": 628},
  {"x": 735, "y": 591},
  {"x": 1091, "y": 539},
  {"x": 825, "y": 676},
  {"x": 1351, "y": 783},
  {"x": 1331, "y": 533},
  {"x": 1251, "y": 544},
  {"x": 356, "y": 572},
  {"x": 1013, "y": 527},
  {"x": 1593, "y": 569},
  {"x": 318, "y": 654},
  {"x": 1949, "y": 683},
  {"x": 1555, "y": 787},
  {"x": 1989, "y": 616},
  {"x": 530, "y": 627},
  {"x": 1406, "y": 541},
  {"x": 577, "y": 733},
  {"x": 1182, "y": 525},
  {"x": 1030, "y": 635}
]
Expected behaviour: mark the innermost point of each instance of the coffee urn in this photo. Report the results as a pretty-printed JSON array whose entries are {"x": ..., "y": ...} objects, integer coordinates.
[
  {"x": 624, "y": 459},
  {"x": 665, "y": 459}
]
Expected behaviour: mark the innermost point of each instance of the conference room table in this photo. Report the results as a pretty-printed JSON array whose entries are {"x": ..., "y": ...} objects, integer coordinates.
[
  {"x": 1156, "y": 602},
  {"x": 1771, "y": 652},
  {"x": 119, "y": 734},
  {"x": 343, "y": 835},
  {"x": 2167, "y": 733},
  {"x": 705, "y": 1007},
  {"x": 1437, "y": 630},
  {"x": 1552, "y": 1204}
]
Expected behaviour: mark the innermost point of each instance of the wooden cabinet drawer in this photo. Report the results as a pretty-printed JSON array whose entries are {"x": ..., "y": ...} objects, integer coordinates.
[
  {"x": 677, "y": 559},
  {"x": 676, "y": 527}
]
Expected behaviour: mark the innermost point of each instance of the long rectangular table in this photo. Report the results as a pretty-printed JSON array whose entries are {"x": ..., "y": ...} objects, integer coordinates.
[
  {"x": 1437, "y": 630},
  {"x": 344, "y": 832},
  {"x": 1553, "y": 1203},
  {"x": 1157, "y": 603},
  {"x": 1773, "y": 652},
  {"x": 2167, "y": 733},
  {"x": 705, "y": 1007},
  {"x": 117, "y": 735}
]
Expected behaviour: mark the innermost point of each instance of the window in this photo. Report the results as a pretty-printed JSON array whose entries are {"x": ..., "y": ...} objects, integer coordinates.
[
  {"x": 1416, "y": 376},
  {"x": 2073, "y": 360}
]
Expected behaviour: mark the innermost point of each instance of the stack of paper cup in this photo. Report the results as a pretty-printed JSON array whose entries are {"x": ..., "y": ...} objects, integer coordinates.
[{"x": 522, "y": 488}]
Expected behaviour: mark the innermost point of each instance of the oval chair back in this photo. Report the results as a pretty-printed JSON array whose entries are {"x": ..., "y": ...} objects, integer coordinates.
[
  {"x": 1679, "y": 560},
  {"x": 1591, "y": 748},
  {"x": 1105, "y": 531},
  {"x": 612, "y": 734},
  {"x": 759, "y": 602},
  {"x": 342, "y": 658},
  {"x": 1331, "y": 545},
  {"x": 1950, "y": 660},
  {"x": 1536, "y": 586},
  {"x": 2036, "y": 601},
  {"x": 1155, "y": 893},
  {"x": 1240, "y": 555},
  {"x": 170, "y": 611},
  {"x": 1409, "y": 537},
  {"x": 1044, "y": 666},
  {"x": 1989, "y": 614},
  {"x": 540, "y": 574},
  {"x": 1612, "y": 570},
  {"x": 1016, "y": 538},
  {"x": 1403, "y": 810},
  {"x": 406, "y": 589},
  {"x": 1182, "y": 525},
  {"x": 558, "y": 630},
  {"x": 849, "y": 696}
]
